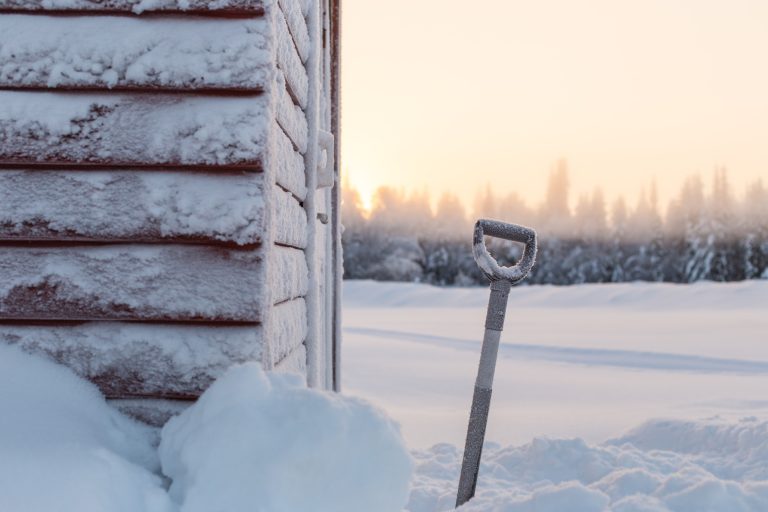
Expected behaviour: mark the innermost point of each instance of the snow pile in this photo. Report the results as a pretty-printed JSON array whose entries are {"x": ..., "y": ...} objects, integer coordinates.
[
  {"x": 662, "y": 466},
  {"x": 253, "y": 438},
  {"x": 63, "y": 448}
]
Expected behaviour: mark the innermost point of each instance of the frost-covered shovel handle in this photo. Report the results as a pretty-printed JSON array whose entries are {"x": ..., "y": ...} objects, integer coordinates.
[{"x": 502, "y": 279}]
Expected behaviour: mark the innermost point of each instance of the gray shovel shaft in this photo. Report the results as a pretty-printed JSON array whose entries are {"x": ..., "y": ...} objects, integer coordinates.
[{"x": 481, "y": 400}]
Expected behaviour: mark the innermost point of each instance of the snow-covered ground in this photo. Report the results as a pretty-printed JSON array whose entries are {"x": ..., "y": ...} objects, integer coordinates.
[
  {"x": 620, "y": 398},
  {"x": 675, "y": 375}
]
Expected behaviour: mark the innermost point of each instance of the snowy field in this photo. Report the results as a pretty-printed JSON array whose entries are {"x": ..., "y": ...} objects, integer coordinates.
[{"x": 590, "y": 363}]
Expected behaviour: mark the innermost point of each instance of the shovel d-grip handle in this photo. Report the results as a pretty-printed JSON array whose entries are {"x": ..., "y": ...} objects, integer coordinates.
[{"x": 513, "y": 232}]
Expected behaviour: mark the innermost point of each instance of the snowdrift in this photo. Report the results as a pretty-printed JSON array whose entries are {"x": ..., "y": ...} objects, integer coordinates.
[
  {"x": 62, "y": 448},
  {"x": 661, "y": 466},
  {"x": 252, "y": 442}
]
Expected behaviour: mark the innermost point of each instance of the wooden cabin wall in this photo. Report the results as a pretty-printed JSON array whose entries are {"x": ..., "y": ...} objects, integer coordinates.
[
  {"x": 152, "y": 229},
  {"x": 292, "y": 88}
]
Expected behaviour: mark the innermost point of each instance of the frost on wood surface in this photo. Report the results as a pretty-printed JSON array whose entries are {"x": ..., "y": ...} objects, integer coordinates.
[
  {"x": 289, "y": 164},
  {"x": 295, "y": 362},
  {"x": 132, "y": 205},
  {"x": 126, "y": 359},
  {"x": 290, "y": 116},
  {"x": 116, "y": 51},
  {"x": 137, "y": 6},
  {"x": 290, "y": 63},
  {"x": 63, "y": 448},
  {"x": 132, "y": 282},
  {"x": 132, "y": 129},
  {"x": 287, "y": 275},
  {"x": 287, "y": 328},
  {"x": 151, "y": 411},
  {"x": 297, "y": 26},
  {"x": 254, "y": 438},
  {"x": 290, "y": 220}
]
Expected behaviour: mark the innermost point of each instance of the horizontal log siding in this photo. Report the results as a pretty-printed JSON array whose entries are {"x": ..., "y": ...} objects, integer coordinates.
[{"x": 135, "y": 206}]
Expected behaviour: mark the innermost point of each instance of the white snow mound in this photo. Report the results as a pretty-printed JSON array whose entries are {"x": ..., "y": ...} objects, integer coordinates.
[
  {"x": 661, "y": 466},
  {"x": 266, "y": 441},
  {"x": 62, "y": 448}
]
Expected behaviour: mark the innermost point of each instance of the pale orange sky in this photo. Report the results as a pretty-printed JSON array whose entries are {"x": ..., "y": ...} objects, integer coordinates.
[{"x": 450, "y": 95}]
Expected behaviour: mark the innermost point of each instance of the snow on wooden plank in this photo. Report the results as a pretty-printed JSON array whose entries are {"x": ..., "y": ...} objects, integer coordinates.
[
  {"x": 290, "y": 117},
  {"x": 287, "y": 328},
  {"x": 287, "y": 276},
  {"x": 289, "y": 165},
  {"x": 120, "y": 52},
  {"x": 305, "y": 5},
  {"x": 289, "y": 62},
  {"x": 141, "y": 360},
  {"x": 124, "y": 282},
  {"x": 139, "y": 206},
  {"x": 132, "y": 130},
  {"x": 152, "y": 411},
  {"x": 296, "y": 362},
  {"x": 252, "y": 7},
  {"x": 290, "y": 220},
  {"x": 297, "y": 26}
]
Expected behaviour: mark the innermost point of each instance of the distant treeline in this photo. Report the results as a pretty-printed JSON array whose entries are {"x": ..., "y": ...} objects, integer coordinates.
[{"x": 713, "y": 236}]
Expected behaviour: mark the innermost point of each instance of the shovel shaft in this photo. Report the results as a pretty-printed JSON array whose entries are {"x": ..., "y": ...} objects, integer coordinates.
[{"x": 481, "y": 400}]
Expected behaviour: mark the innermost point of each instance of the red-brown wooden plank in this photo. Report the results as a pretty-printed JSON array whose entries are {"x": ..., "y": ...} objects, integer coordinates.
[
  {"x": 219, "y": 7},
  {"x": 147, "y": 283},
  {"x": 128, "y": 360},
  {"x": 135, "y": 206},
  {"x": 133, "y": 130},
  {"x": 115, "y": 52}
]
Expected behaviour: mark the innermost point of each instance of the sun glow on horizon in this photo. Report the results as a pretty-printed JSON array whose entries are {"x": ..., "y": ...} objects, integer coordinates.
[{"x": 497, "y": 91}]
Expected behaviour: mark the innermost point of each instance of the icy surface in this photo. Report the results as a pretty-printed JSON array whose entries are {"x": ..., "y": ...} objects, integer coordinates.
[
  {"x": 63, "y": 448},
  {"x": 111, "y": 51},
  {"x": 269, "y": 440},
  {"x": 135, "y": 205},
  {"x": 133, "y": 129}
]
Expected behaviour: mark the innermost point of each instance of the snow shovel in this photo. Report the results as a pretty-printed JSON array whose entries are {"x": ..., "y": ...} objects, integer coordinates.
[{"x": 502, "y": 279}]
